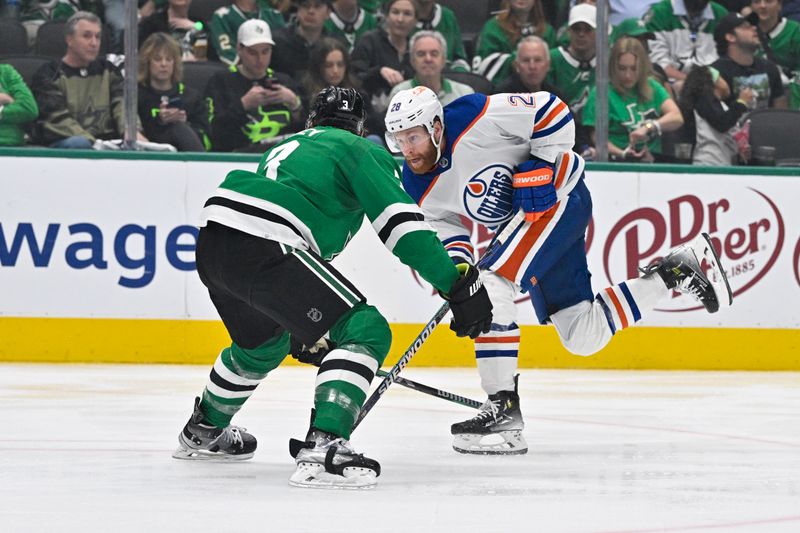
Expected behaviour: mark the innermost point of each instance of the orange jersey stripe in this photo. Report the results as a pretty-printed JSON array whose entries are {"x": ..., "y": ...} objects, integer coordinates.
[
  {"x": 566, "y": 162},
  {"x": 618, "y": 307},
  {"x": 511, "y": 267},
  {"x": 550, "y": 117},
  {"x": 433, "y": 182},
  {"x": 496, "y": 339},
  {"x": 476, "y": 119}
]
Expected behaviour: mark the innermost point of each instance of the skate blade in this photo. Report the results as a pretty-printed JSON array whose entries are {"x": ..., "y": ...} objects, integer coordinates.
[
  {"x": 314, "y": 476},
  {"x": 204, "y": 455},
  {"x": 501, "y": 443},
  {"x": 718, "y": 278}
]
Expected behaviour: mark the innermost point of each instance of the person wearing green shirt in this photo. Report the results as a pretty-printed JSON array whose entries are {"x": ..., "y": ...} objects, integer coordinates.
[
  {"x": 433, "y": 16},
  {"x": 572, "y": 67},
  {"x": 350, "y": 21},
  {"x": 17, "y": 106},
  {"x": 639, "y": 108},
  {"x": 226, "y": 21},
  {"x": 779, "y": 36},
  {"x": 264, "y": 250},
  {"x": 501, "y": 33}
]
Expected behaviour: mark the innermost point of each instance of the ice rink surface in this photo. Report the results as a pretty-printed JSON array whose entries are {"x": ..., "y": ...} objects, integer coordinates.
[{"x": 86, "y": 448}]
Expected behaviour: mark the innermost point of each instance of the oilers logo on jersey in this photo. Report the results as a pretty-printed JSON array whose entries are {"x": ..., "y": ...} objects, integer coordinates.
[{"x": 488, "y": 194}]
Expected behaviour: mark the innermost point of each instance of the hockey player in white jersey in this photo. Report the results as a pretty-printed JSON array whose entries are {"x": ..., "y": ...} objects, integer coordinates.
[{"x": 485, "y": 158}]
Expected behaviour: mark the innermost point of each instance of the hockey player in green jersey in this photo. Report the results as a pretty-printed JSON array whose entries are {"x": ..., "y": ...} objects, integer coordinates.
[{"x": 263, "y": 253}]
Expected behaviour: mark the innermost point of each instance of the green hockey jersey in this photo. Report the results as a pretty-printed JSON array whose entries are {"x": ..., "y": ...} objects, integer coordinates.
[
  {"x": 225, "y": 25},
  {"x": 573, "y": 78},
  {"x": 313, "y": 190},
  {"x": 351, "y": 31},
  {"x": 784, "y": 44},
  {"x": 444, "y": 21},
  {"x": 495, "y": 51}
]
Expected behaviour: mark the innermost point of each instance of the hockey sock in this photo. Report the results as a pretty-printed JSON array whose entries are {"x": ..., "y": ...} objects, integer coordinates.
[
  {"x": 625, "y": 304},
  {"x": 496, "y": 353},
  {"x": 341, "y": 388},
  {"x": 236, "y": 374}
]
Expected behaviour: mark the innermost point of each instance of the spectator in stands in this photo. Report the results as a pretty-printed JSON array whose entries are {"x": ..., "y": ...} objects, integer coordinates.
[
  {"x": 17, "y": 106},
  {"x": 174, "y": 20},
  {"x": 529, "y": 68},
  {"x": 350, "y": 21},
  {"x": 226, "y": 22},
  {"x": 562, "y": 33},
  {"x": 328, "y": 65},
  {"x": 639, "y": 108},
  {"x": 779, "y": 36},
  {"x": 500, "y": 35},
  {"x": 381, "y": 59},
  {"x": 428, "y": 58},
  {"x": 572, "y": 68},
  {"x": 170, "y": 112},
  {"x": 633, "y": 28},
  {"x": 708, "y": 120},
  {"x": 683, "y": 35},
  {"x": 252, "y": 107},
  {"x": 433, "y": 16},
  {"x": 80, "y": 96},
  {"x": 628, "y": 9},
  {"x": 292, "y": 43},
  {"x": 372, "y": 6},
  {"x": 33, "y": 13},
  {"x": 737, "y": 44}
]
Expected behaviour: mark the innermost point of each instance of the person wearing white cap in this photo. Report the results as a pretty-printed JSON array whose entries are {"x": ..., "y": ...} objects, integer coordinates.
[
  {"x": 251, "y": 106},
  {"x": 572, "y": 68},
  {"x": 226, "y": 21}
]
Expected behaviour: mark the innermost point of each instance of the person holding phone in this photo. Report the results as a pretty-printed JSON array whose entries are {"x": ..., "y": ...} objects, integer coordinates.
[
  {"x": 170, "y": 112},
  {"x": 252, "y": 107}
]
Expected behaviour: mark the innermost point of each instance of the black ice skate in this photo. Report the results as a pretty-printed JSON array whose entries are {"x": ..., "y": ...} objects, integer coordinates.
[
  {"x": 497, "y": 428},
  {"x": 200, "y": 441},
  {"x": 682, "y": 270},
  {"x": 325, "y": 461}
]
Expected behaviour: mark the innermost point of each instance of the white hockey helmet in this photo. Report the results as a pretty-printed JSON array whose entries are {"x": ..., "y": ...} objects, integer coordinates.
[{"x": 410, "y": 108}]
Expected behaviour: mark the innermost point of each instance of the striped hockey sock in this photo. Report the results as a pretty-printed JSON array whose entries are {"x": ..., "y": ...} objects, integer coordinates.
[
  {"x": 496, "y": 353},
  {"x": 626, "y": 303},
  {"x": 341, "y": 388}
]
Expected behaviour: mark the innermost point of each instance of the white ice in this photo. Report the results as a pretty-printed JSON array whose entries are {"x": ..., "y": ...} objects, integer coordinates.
[{"x": 86, "y": 448}]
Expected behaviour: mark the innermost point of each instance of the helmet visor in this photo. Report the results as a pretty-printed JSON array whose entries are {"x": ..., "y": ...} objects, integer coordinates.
[{"x": 415, "y": 137}]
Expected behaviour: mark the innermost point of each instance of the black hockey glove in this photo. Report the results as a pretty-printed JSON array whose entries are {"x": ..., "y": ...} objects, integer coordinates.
[
  {"x": 469, "y": 301},
  {"x": 310, "y": 355}
]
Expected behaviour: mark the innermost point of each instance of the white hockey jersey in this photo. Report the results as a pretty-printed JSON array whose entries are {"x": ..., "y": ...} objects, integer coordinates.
[{"x": 485, "y": 138}]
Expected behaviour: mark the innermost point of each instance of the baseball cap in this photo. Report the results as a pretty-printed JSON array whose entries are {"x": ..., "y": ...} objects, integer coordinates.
[
  {"x": 730, "y": 22},
  {"x": 583, "y": 13},
  {"x": 253, "y": 32},
  {"x": 631, "y": 27}
]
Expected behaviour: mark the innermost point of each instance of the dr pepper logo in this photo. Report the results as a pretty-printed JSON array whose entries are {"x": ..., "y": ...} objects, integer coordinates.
[{"x": 746, "y": 228}]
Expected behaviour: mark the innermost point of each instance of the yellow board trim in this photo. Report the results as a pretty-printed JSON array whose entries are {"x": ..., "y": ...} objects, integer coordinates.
[{"x": 84, "y": 340}]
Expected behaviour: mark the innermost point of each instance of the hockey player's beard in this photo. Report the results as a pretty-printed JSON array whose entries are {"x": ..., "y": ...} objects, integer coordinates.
[{"x": 423, "y": 161}]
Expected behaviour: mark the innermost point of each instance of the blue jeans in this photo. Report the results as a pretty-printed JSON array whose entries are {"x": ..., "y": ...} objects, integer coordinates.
[{"x": 75, "y": 142}]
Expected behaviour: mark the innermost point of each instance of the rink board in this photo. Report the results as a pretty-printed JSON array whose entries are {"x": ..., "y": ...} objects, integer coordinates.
[{"x": 97, "y": 265}]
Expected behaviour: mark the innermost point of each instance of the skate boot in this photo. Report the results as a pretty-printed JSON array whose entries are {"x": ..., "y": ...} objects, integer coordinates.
[
  {"x": 497, "y": 428},
  {"x": 201, "y": 441},
  {"x": 325, "y": 461},
  {"x": 682, "y": 270}
]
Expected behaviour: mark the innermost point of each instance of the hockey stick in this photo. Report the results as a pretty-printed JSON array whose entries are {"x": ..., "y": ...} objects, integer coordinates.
[
  {"x": 432, "y": 323},
  {"x": 426, "y": 389}
]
